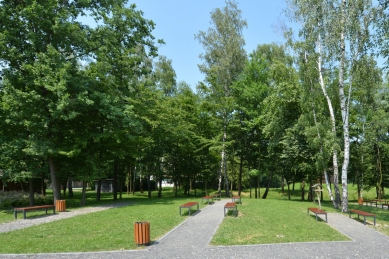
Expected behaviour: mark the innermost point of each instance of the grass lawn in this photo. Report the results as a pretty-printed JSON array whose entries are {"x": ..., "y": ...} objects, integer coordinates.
[
  {"x": 273, "y": 220},
  {"x": 112, "y": 229}
]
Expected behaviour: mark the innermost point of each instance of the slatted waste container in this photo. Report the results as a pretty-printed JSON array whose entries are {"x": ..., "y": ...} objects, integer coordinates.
[
  {"x": 60, "y": 205},
  {"x": 142, "y": 233}
]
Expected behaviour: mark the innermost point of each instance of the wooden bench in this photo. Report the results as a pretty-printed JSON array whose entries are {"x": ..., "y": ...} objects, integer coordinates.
[
  {"x": 362, "y": 213},
  {"x": 25, "y": 209},
  {"x": 230, "y": 206},
  {"x": 216, "y": 196},
  {"x": 236, "y": 198},
  {"x": 317, "y": 211},
  {"x": 207, "y": 198},
  {"x": 188, "y": 206},
  {"x": 382, "y": 202}
]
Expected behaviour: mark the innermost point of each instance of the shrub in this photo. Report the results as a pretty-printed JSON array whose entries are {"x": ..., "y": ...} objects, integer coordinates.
[{"x": 12, "y": 199}]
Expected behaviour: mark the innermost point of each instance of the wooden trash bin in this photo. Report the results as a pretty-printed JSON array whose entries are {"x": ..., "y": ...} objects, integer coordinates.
[
  {"x": 60, "y": 205},
  {"x": 360, "y": 201},
  {"x": 142, "y": 233}
]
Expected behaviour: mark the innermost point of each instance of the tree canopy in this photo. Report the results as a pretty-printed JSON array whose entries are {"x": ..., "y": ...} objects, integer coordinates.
[{"x": 87, "y": 103}]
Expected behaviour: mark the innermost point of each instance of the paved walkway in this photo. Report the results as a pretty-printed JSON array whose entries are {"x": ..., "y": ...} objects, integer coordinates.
[
  {"x": 28, "y": 222},
  {"x": 191, "y": 238}
]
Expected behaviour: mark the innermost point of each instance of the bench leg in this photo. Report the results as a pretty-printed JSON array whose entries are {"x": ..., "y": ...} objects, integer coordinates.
[
  {"x": 15, "y": 214},
  {"x": 24, "y": 213}
]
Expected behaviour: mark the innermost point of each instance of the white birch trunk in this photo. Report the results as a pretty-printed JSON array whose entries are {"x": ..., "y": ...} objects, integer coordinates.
[
  {"x": 333, "y": 122},
  {"x": 324, "y": 171},
  {"x": 344, "y": 111}
]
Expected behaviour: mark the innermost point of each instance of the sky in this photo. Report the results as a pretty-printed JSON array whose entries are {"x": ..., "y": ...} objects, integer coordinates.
[{"x": 177, "y": 21}]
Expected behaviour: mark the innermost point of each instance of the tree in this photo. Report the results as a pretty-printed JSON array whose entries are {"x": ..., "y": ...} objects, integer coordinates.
[
  {"x": 249, "y": 92},
  {"x": 282, "y": 107},
  {"x": 340, "y": 31},
  {"x": 48, "y": 98},
  {"x": 224, "y": 60}
]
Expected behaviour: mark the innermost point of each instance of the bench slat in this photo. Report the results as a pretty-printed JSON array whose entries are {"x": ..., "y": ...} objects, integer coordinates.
[
  {"x": 362, "y": 213},
  {"x": 25, "y": 209},
  {"x": 230, "y": 205},
  {"x": 189, "y": 205},
  {"x": 317, "y": 211}
]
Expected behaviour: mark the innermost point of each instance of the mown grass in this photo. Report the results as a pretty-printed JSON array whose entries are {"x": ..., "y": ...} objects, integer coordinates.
[
  {"x": 111, "y": 229},
  {"x": 274, "y": 220}
]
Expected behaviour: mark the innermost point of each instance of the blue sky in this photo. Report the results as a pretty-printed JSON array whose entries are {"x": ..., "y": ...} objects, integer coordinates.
[{"x": 177, "y": 21}]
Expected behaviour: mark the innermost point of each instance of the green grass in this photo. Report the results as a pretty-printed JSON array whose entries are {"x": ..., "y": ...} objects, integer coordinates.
[
  {"x": 274, "y": 220},
  {"x": 111, "y": 229}
]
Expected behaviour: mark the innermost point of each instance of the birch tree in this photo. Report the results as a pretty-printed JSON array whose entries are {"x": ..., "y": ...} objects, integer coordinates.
[
  {"x": 340, "y": 30},
  {"x": 224, "y": 59}
]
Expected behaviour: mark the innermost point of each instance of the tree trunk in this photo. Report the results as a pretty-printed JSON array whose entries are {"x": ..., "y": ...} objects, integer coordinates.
[
  {"x": 64, "y": 184},
  {"x": 240, "y": 175},
  {"x": 83, "y": 195},
  {"x": 268, "y": 186},
  {"x": 288, "y": 190},
  {"x": 140, "y": 180},
  {"x": 148, "y": 186},
  {"x": 250, "y": 186},
  {"x": 379, "y": 170},
  {"x": 31, "y": 191},
  {"x": 54, "y": 180},
  {"x": 333, "y": 121},
  {"x": 255, "y": 191},
  {"x": 344, "y": 107},
  {"x": 259, "y": 187},
  {"x": 43, "y": 186},
  {"x": 223, "y": 165},
  {"x": 128, "y": 180},
  {"x": 282, "y": 185},
  {"x": 70, "y": 188},
  {"x": 120, "y": 187},
  {"x": 98, "y": 191},
  {"x": 322, "y": 152},
  {"x": 133, "y": 182},
  {"x": 160, "y": 188},
  {"x": 115, "y": 180}
]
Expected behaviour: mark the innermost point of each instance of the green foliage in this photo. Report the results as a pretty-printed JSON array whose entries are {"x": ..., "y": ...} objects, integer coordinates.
[{"x": 9, "y": 200}]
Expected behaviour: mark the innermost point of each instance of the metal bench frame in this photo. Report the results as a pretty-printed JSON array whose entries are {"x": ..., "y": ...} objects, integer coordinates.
[
  {"x": 25, "y": 209},
  {"x": 207, "y": 198},
  {"x": 317, "y": 211},
  {"x": 230, "y": 206},
  {"x": 236, "y": 199},
  {"x": 189, "y": 205},
  {"x": 362, "y": 213}
]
